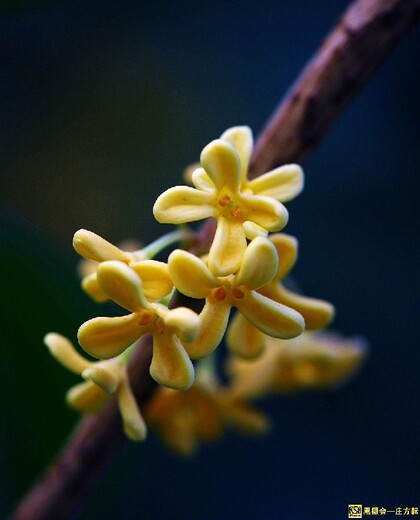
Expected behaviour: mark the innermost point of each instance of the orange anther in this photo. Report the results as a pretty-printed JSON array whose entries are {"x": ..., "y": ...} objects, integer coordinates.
[
  {"x": 220, "y": 293},
  {"x": 224, "y": 201},
  {"x": 160, "y": 326},
  {"x": 145, "y": 319},
  {"x": 235, "y": 211},
  {"x": 237, "y": 293}
]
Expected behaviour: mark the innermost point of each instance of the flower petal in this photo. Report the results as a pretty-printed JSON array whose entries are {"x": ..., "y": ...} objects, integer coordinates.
[
  {"x": 92, "y": 288},
  {"x": 87, "y": 397},
  {"x": 228, "y": 247},
  {"x": 253, "y": 230},
  {"x": 190, "y": 275},
  {"x": 183, "y": 204},
  {"x": 259, "y": 264},
  {"x": 271, "y": 317},
  {"x": 213, "y": 317},
  {"x": 171, "y": 365},
  {"x": 63, "y": 350},
  {"x": 287, "y": 250},
  {"x": 122, "y": 285},
  {"x": 317, "y": 313},
  {"x": 242, "y": 416},
  {"x": 155, "y": 279},
  {"x": 93, "y": 247},
  {"x": 188, "y": 171},
  {"x": 221, "y": 163},
  {"x": 201, "y": 180},
  {"x": 243, "y": 338},
  {"x": 102, "y": 377},
  {"x": 105, "y": 338},
  {"x": 282, "y": 184},
  {"x": 240, "y": 137},
  {"x": 264, "y": 211},
  {"x": 184, "y": 322},
  {"x": 134, "y": 425}
]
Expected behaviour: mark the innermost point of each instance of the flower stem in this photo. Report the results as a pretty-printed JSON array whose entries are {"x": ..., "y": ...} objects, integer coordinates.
[{"x": 181, "y": 234}]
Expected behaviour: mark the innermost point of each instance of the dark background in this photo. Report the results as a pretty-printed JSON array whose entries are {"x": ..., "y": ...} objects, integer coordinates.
[{"x": 103, "y": 103}]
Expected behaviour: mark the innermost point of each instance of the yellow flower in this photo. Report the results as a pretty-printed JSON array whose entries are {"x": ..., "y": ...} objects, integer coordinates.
[
  {"x": 307, "y": 362},
  {"x": 102, "y": 378},
  {"x": 283, "y": 183},
  {"x": 104, "y": 337},
  {"x": 154, "y": 274},
  {"x": 185, "y": 419},
  {"x": 242, "y": 208},
  {"x": 245, "y": 339},
  {"x": 193, "y": 278}
]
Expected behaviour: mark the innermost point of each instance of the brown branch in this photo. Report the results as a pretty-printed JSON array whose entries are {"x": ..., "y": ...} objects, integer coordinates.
[
  {"x": 92, "y": 448},
  {"x": 352, "y": 52},
  {"x": 347, "y": 59}
]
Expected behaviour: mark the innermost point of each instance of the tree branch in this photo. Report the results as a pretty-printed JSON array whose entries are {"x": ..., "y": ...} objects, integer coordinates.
[
  {"x": 347, "y": 59},
  {"x": 351, "y": 53}
]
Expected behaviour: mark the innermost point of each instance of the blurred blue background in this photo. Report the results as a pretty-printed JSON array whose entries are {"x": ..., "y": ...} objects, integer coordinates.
[{"x": 103, "y": 103}]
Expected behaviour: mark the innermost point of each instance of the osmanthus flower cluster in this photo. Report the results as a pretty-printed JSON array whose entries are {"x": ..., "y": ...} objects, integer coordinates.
[
  {"x": 311, "y": 361},
  {"x": 243, "y": 269}
]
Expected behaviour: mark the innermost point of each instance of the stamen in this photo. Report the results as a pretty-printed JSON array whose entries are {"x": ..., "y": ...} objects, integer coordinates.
[
  {"x": 220, "y": 293},
  {"x": 160, "y": 326},
  {"x": 237, "y": 292},
  {"x": 145, "y": 319},
  {"x": 235, "y": 211},
  {"x": 224, "y": 201}
]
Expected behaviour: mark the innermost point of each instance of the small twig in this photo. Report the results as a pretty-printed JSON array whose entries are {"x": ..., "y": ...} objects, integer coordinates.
[{"x": 352, "y": 52}]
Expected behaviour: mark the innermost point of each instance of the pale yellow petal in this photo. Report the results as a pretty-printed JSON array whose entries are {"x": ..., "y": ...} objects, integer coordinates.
[
  {"x": 228, "y": 247},
  {"x": 253, "y": 230},
  {"x": 63, "y": 350},
  {"x": 133, "y": 422},
  {"x": 106, "y": 338},
  {"x": 87, "y": 397},
  {"x": 243, "y": 338},
  {"x": 178, "y": 433},
  {"x": 91, "y": 287},
  {"x": 317, "y": 313},
  {"x": 287, "y": 250},
  {"x": 190, "y": 275},
  {"x": 282, "y": 184},
  {"x": 271, "y": 317},
  {"x": 221, "y": 163},
  {"x": 201, "y": 180},
  {"x": 102, "y": 377},
  {"x": 259, "y": 264},
  {"x": 93, "y": 247},
  {"x": 171, "y": 365},
  {"x": 184, "y": 322},
  {"x": 213, "y": 318},
  {"x": 240, "y": 137},
  {"x": 122, "y": 285},
  {"x": 155, "y": 279},
  {"x": 188, "y": 171},
  {"x": 264, "y": 211},
  {"x": 183, "y": 204},
  {"x": 244, "y": 418}
]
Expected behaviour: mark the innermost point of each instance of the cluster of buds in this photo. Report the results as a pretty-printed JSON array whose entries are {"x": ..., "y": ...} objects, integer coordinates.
[{"x": 243, "y": 269}]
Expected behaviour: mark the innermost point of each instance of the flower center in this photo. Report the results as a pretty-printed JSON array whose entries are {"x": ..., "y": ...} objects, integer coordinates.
[
  {"x": 144, "y": 319},
  {"x": 237, "y": 293},
  {"x": 230, "y": 207}
]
